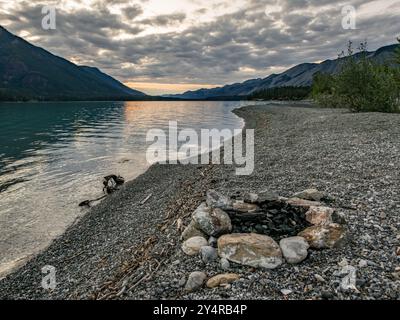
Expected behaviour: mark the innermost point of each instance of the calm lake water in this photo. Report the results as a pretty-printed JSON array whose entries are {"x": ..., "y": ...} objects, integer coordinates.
[{"x": 54, "y": 155}]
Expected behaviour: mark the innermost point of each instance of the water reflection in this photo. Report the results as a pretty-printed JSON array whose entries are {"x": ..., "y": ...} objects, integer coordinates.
[{"x": 54, "y": 155}]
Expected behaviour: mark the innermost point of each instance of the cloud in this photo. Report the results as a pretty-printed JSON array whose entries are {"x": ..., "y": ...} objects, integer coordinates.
[
  {"x": 165, "y": 19},
  {"x": 191, "y": 43}
]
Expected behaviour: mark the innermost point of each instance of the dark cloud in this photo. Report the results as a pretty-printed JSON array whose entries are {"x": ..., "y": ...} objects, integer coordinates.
[
  {"x": 233, "y": 47},
  {"x": 165, "y": 19}
]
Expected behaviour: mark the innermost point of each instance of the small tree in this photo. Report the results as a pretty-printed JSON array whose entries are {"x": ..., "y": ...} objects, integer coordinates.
[
  {"x": 397, "y": 66},
  {"x": 361, "y": 85}
]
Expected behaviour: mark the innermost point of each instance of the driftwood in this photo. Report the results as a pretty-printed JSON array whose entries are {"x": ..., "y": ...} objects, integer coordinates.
[
  {"x": 111, "y": 184},
  {"x": 87, "y": 203},
  {"x": 146, "y": 199}
]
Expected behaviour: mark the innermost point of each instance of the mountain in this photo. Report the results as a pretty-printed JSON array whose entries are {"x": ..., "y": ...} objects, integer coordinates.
[
  {"x": 30, "y": 72},
  {"x": 298, "y": 76}
]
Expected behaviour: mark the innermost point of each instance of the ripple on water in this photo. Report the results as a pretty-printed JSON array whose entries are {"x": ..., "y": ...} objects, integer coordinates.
[{"x": 54, "y": 155}]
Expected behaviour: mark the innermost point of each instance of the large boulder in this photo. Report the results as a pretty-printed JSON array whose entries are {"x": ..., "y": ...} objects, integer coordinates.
[
  {"x": 212, "y": 221},
  {"x": 217, "y": 200},
  {"x": 310, "y": 194},
  {"x": 325, "y": 236},
  {"x": 193, "y": 245},
  {"x": 250, "y": 249},
  {"x": 320, "y": 215},
  {"x": 222, "y": 279},
  {"x": 192, "y": 230},
  {"x": 294, "y": 249}
]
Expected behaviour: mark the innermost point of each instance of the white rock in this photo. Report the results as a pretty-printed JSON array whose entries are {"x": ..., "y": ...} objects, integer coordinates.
[
  {"x": 362, "y": 263},
  {"x": 294, "y": 249},
  {"x": 349, "y": 281},
  {"x": 343, "y": 263},
  {"x": 193, "y": 245},
  {"x": 319, "y": 278},
  {"x": 286, "y": 292}
]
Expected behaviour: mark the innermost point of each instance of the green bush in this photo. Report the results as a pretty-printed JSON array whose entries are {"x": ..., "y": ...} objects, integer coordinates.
[{"x": 362, "y": 85}]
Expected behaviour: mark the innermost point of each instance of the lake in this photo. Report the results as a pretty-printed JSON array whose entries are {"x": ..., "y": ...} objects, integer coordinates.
[{"x": 55, "y": 155}]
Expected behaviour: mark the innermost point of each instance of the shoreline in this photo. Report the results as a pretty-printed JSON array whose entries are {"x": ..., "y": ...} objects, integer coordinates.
[
  {"x": 296, "y": 148},
  {"x": 19, "y": 243}
]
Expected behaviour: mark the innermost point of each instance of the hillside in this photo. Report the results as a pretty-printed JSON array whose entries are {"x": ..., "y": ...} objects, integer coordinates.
[
  {"x": 30, "y": 72},
  {"x": 298, "y": 76}
]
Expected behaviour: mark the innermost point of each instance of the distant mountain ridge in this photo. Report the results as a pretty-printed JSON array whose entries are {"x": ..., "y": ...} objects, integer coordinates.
[
  {"x": 30, "y": 72},
  {"x": 300, "y": 75}
]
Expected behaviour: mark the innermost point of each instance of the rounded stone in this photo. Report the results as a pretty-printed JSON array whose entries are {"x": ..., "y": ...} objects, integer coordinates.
[
  {"x": 208, "y": 254},
  {"x": 193, "y": 245},
  {"x": 213, "y": 222},
  {"x": 294, "y": 249},
  {"x": 195, "y": 281}
]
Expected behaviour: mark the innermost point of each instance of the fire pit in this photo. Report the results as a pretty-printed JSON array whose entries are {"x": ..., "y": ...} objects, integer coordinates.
[{"x": 264, "y": 229}]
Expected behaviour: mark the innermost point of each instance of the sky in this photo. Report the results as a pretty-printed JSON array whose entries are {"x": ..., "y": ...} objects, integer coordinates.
[{"x": 171, "y": 46}]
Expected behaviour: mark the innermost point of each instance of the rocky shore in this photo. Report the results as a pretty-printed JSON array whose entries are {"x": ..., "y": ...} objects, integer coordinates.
[{"x": 157, "y": 237}]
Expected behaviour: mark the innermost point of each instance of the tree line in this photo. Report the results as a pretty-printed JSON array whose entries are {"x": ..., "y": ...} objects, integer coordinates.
[{"x": 282, "y": 93}]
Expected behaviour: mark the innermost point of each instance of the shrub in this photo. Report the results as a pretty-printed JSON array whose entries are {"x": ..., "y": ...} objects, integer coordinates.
[{"x": 362, "y": 85}]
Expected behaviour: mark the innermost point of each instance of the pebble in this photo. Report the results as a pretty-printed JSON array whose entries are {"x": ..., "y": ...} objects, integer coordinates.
[
  {"x": 343, "y": 263},
  {"x": 208, "y": 254},
  {"x": 193, "y": 245},
  {"x": 319, "y": 278},
  {"x": 225, "y": 265},
  {"x": 182, "y": 282},
  {"x": 362, "y": 263},
  {"x": 327, "y": 295},
  {"x": 286, "y": 292},
  {"x": 294, "y": 249},
  {"x": 195, "y": 281},
  {"x": 212, "y": 241}
]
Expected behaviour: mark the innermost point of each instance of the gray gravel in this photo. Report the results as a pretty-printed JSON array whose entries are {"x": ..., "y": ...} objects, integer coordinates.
[{"x": 352, "y": 157}]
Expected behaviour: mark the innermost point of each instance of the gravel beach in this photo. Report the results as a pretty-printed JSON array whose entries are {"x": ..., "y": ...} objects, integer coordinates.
[{"x": 128, "y": 248}]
